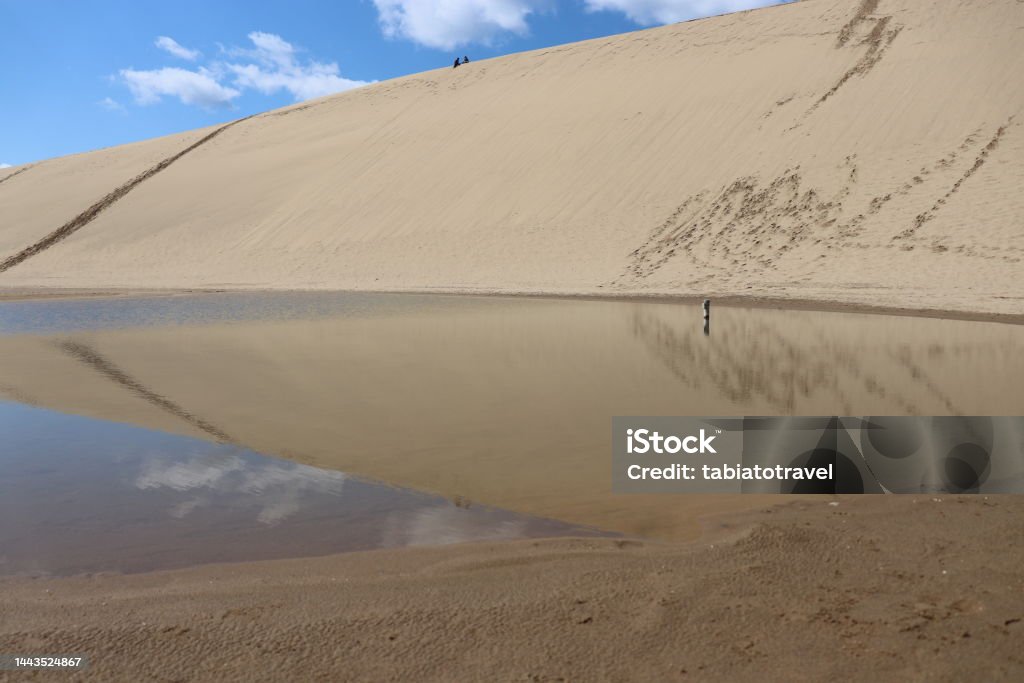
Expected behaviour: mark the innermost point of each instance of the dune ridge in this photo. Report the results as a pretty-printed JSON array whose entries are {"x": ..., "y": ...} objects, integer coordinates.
[{"x": 840, "y": 151}]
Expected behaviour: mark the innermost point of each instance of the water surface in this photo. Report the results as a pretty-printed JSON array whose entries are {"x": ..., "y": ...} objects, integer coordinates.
[
  {"x": 501, "y": 402},
  {"x": 81, "y": 495}
]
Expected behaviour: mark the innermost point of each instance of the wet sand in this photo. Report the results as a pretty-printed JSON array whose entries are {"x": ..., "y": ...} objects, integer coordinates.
[
  {"x": 874, "y": 588},
  {"x": 51, "y": 293},
  {"x": 735, "y": 301}
]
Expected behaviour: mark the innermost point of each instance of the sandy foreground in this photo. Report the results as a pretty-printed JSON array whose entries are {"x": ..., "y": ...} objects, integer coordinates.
[
  {"x": 883, "y": 588},
  {"x": 843, "y": 151}
]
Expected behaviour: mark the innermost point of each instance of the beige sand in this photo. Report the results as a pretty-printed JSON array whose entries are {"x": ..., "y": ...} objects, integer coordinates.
[
  {"x": 839, "y": 150},
  {"x": 877, "y": 588}
]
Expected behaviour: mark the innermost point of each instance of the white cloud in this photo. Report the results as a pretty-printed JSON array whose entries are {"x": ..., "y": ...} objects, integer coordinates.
[
  {"x": 111, "y": 104},
  {"x": 173, "y": 47},
  {"x": 273, "y": 491},
  {"x": 443, "y": 525},
  {"x": 274, "y": 66},
  {"x": 2, "y": 165},
  {"x": 191, "y": 87},
  {"x": 271, "y": 65},
  {"x": 447, "y": 24},
  {"x": 270, "y": 49},
  {"x": 648, "y": 12}
]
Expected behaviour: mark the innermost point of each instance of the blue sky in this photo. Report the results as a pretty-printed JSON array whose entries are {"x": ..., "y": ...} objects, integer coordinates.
[{"x": 84, "y": 74}]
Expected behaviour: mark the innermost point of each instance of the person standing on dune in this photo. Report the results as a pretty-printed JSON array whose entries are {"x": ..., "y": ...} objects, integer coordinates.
[{"x": 456, "y": 64}]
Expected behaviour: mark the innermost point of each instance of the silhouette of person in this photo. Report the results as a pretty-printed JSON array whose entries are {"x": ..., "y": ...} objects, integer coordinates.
[
  {"x": 456, "y": 63},
  {"x": 465, "y": 60}
]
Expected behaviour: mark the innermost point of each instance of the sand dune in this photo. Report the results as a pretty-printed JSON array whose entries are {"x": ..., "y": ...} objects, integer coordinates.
[{"x": 839, "y": 150}]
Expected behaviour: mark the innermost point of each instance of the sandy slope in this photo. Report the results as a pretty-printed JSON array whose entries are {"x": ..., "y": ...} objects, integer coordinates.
[
  {"x": 841, "y": 150},
  {"x": 887, "y": 588}
]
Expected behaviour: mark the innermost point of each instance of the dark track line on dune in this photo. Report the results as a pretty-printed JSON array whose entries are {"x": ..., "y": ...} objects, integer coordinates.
[
  {"x": 93, "y": 359},
  {"x": 90, "y": 214},
  {"x": 18, "y": 172}
]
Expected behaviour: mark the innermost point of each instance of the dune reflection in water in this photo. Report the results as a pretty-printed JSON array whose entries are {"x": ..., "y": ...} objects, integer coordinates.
[{"x": 499, "y": 401}]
